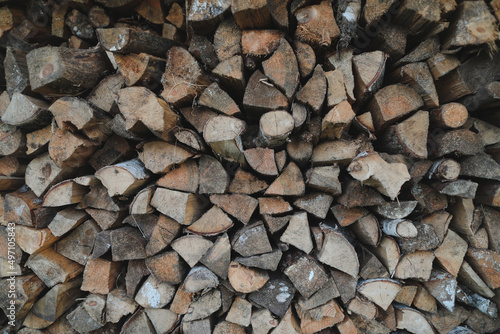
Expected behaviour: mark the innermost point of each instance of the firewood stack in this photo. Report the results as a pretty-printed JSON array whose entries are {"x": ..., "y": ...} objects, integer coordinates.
[{"x": 218, "y": 166}]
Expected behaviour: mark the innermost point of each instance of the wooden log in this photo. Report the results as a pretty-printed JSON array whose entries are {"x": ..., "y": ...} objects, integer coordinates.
[
  {"x": 251, "y": 15},
  {"x": 50, "y": 68},
  {"x": 333, "y": 243},
  {"x": 213, "y": 177},
  {"x": 288, "y": 324},
  {"x": 66, "y": 220},
  {"x": 16, "y": 76},
  {"x": 412, "y": 320},
  {"x": 161, "y": 157},
  {"x": 388, "y": 253},
  {"x": 324, "y": 178},
  {"x": 262, "y": 160},
  {"x": 306, "y": 58},
  {"x": 441, "y": 64},
  {"x": 230, "y": 74},
  {"x": 262, "y": 321},
  {"x": 282, "y": 69},
  {"x": 482, "y": 20},
  {"x": 451, "y": 115},
  {"x": 71, "y": 150},
  {"x": 290, "y": 182},
  {"x": 396, "y": 210},
  {"x": 103, "y": 96},
  {"x": 204, "y": 306},
  {"x": 167, "y": 267},
  {"x": 417, "y": 265},
  {"x": 26, "y": 112},
  {"x": 275, "y": 127},
  {"x": 154, "y": 293},
  {"x": 336, "y": 121},
  {"x": 123, "y": 179},
  {"x": 227, "y": 39},
  {"x": 424, "y": 301},
  {"x": 386, "y": 184},
  {"x": 400, "y": 228},
  {"x": 261, "y": 96},
  {"x": 369, "y": 69},
  {"x": 311, "y": 23},
  {"x": 53, "y": 268},
  {"x": 203, "y": 50},
  {"x": 215, "y": 98},
  {"x": 442, "y": 286},
  {"x": 273, "y": 206},
  {"x": 239, "y": 278},
  {"x": 226, "y": 144},
  {"x": 367, "y": 230},
  {"x": 42, "y": 173},
  {"x": 317, "y": 204},
  {"x": 78, "y": 245},
  {"x": 127, "y": 243},
  {"x": 53, "y": 304},
  {"x": 246, "y": 183},
  {"x": 185, "y": 177},
  {"x": 297, "y": 233},
  {"x": 393, "y": 102},
  {"x": 313, "y": 93},
  {"x": 212, "y": 222}
]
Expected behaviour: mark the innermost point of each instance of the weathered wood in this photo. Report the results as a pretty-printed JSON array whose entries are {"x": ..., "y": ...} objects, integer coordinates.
[
  {"x": 212, "y": 222},
  {"x": 306, "y": 58},
  {"x": 282, "y": 69},
  {"x": 223, "y": 134},
  {"x": 185, "y": 208},
  {"x": 42, "y": 173},
  {"x": 337, "y": 120},
  {"x": 261, "y": 96},
  {"x": 369, "y": 69},
  {"x": 316, "y": 25},
  {"x": 51, "y": 68},
  {"x": 214, "y": 97},
  {"x": 26, "y": 112},
  {"x": 290, "y": 182},
  {"x": 251, "y": 14},
  {"x": 78, "y": 245},
  {"x": 451, "y": 252}
]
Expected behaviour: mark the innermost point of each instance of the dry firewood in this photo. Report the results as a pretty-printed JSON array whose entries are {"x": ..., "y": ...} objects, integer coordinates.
[
  {"x": 100, "y": 275},
  {"x": 273, "y": 206},
  {"x": 13, "y": 141},
  {"x": 244, "y": 182},
  {"x": 230, "y": 74},
  {"x": 262, "y": 321},
  {"x": 267, "y": 261},
  {"x": 489, "y": 193},
  {"x": 412, "y": 320},
  {"x": 290, "y": 182},
  {"x": 451, "y": 252},
  {"x": 337, "y": 151},
  {"x": 161, "y": 157},
  {"x": 424, "y": 301},
  {"x": 388, "y": 253},
  {"x": 53, "y": 304},
  {"x": 369, "y": 68},
  {"x": 460, "y": 188},
  {"x": 371, "y": 267},
  {"x": 66, "y": 220},
  {"x": 250, "y": 15},
  {"x": 105, "y": 93},
  {"x": 218, "y": 257},
  {"x": 319, "y": 318},
  {"x": 471, "y": 279},
  {"x": 240, "y": 312},
  {"x": 372, "y": 290},
  {"x": 139, "y": 106},
  {"x": 215, "y": 98},
  {"x": 418, "y": 76},
  {"x": 203, "y": 307},
  {"x": 393, "y": 102},
  {"x": 151, "y": 10},
  {"x": 127, "y": 243},
  {"x": 450, "y": 115},
  {"x": 316, "y": 204},
  {"x": 482, "y": 166},
  {"x": 396, "y": 210},
  {"x": 362, "y": 307},
  {"x": 183, "y": 78},
  {"x": 227, "y": 40},
  {"x": 275, "y": 127},
  {"x": 314, "y": 91},
  {"x": 239, "y": 278},
  {"x": 262, "y": 160},
  {"x": 185, "y": 177},
  {"x": 98, "y": 198},
  {"x": 51, "y": 68},
  {"x": 356, "y": 194},
  {"x": 261, "y": 96},
  {"x": 140, "y": 203},
  {"x": 337, "y": 120},
  {"x": 200, "y": 278},
  {"x": 183, "y": 207},
  {"x": 140, "y": 69},
  {"x": 118, "y": 304},
  {"x": 260, "y": 43},
  {"x": 488, "y": 133},
  {"x": 190, "y": 138},
  {"x": 223, "y": 134},
  {"x": 154, "y": 293},
  {"x": 251, "y": 240},
  {"x": 213, "y": 177},
  {"x": 386, "y": 184},
  {"x": 441, "y": 64},
  {"x": 445, "y": 169},
  {"x": 426, "y": 239},
  {"x": 123, "y": 179},
  {"x": 485, "y": 97},
  {"x": 311, "y": 25},
  {"x": 462, "y": 142},
  {"x": 11, "y": 17},
  {"x": 306, "y": 58},
  {"x": 324, "y": 178},
  {"x": 445, "y": 321},
  {"x": 297, "y": 233},
  {"x": 299, "y": 150},
  {"x": 16, "y": 76},
  {"x": 335, "y": 244},
  {"x": 288, "y": 324},
  {"x": 477, "y": 15},
  {"x": 400, "y": 228},
  {"x": 78, "y": 245},
  {"x": 32, "y": 240},
  {"x": 335, "y": 93},
  {"x": 307, "y": 275},
  {"x": 138, "y": 322},
  {"x": 53, "y": 268},
  {"x": 347, "y": 216},
  {"x": 429, "y": 198},
  {"x": 28, "y": 288},
  {"x": 136, "y": 271},
  {"x": 42, "y": 173},
  {"x": 483, "y": 262},
  {"x": 392, "y": 40},
  {"x": 468, "y": 78},
  {"x": 68, "y": 149},
  {"x": 426, "y": 49},
  {"x": 197, "y": 326},
  {"x": 98, "y": 17},
  {"x": 442, "y": 286},
  {"x": 490, "y": 222},
  {"x": 26, "y": 112},
  {"x": 240, "y": 206},
  {"x": 79, "y": 25},
  {"x": 406, "y": 295},
  {"x": 212, "y": 222},
  {"x": 417, "y": 265},
  {"x": 367, "y": 230},
  {"x": 282, "y": 69},
  {"x": 167, "y": 267},
  {"x": 203, "y": 50}
]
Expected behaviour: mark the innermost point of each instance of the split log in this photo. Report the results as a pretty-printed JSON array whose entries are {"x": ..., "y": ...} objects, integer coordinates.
[
  {"x": 290, "y": 182},
  {"x": 442, "y": 64},
  {"x": 313, "y": 93},
  {"x": 306, "y": 58},
  {"x": 185, "y": 177},
  {"x": 249, "y": 15},
  {"x": 282, "y": 69},
  {"x": 251, "y": 240},
  {"x": 69, "y": 149},
  {"x": 297, "y": 233},
  {"x": 369, "y": 69},
  {"x": 238, "y": 277},
  {"x": 230, "y": 73},
  {"x": 212, "y": 222},
  {"x": 311, "y": 25},
  {"x": 261, "y": 96},
  {"x": 412, "y": 320},
  {"x": 42, "y": 173},
  {"x": 123, "y": 179},
  {"x": 215, "y": 98},
  {"x": 337, "y": 120},
  {"x": 334, "y": 244},
  {"x": 50, "y": 68},
  {"x": 227, "y": 143},
  {"x": 53, "y": 268},
  {"x": 450, "y": 115},
  {"x": 161, "y": 157},
  {"x": 203, "y": 50},
  {"x": 26, "y": 112},
  {"x": 419, "y": 77}
]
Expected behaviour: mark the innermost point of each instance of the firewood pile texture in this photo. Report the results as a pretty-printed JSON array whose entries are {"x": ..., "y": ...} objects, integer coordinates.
[{"x": 250, "y": 166}]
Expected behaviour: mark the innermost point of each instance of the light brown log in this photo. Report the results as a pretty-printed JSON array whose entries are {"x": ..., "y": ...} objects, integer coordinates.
[
  {"x": 369, "y": 68},
  {"x": 66, "y": 220},
  {"x": 185, "y": 177},
  {"x": 78, "y": 245},
  {"x": 412, "y": 320},
  {"x": 282, "y": 69},
  {"x": 417, "y": 265},
  {"x": 290, "y": 182},
  {"x": 451, "y": 115},
  {"x": 245, "y": 279},
  {"x": 214, "y": 97},
  {"x": 337, "y": 252},
  {"x": 313, "y": 93},
  {"x": 336, "y": 121},
  {"x": 212, "y": 222},
  {"x": 311, "y": 25},
  {"x": 231, "y": 75},
  {"x": 451, "y": 252},
  {"x": 275, "y": 127},
  {"x": 246, "y": 183},
  {"x": 337, "y": 151},
  {"x": 223, "y": 134},
  {"x": 261, "y": 96}
]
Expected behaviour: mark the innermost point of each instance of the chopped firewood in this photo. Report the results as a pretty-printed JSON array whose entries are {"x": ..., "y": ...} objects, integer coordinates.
[
  {"x": 306, "y": 58},
  {"x": 251, "y": 14},
  {"x": 123, "y": 179},
  {"x": 282, "y": 69},
  {"x": 227, "y": 39},
  {"x": 299, "y": 150},
  {"x": 251, "y": 240},
  {"x": 203, "y": 50},
  {"x": 442, "y": 64},
  {"x": 100, "y": 275},
  {"x": 50, "y": 69},
  {"x": 206, "y": 305},
  {"x": 451, "y": 252},
  {"x": 321, "y": 317},
  {"x": 442, "y": 286},
  {"x": 217, "y": 99},
  {"x": 239, "y": 206},
  {"x": 127, "y": 243},
  {"x": 288, "y": 324},
  {"x": 412, "y": 321},
  {"x": 260, "y": 43},
  {"x": 450, "y": 115},
  {"x": 275, "y": 223},
  {"x": 182, "y": 300},
  {"x": 240, "y": 312},
  {"x": 324, "y": 178},
  {"x": 424, "y": 301},
  {"x": 335, "y": 92},
  {"x": 212, "y": 222},
  {"x": 273, "y": 206},
  {"x": 262, "y": 321},
  {"x": 185, "y": 208},
  {"x": 275, "y": 127},
  {"x": 338, "y": 253},
  {"x": 191, "y": 248},
  {"x": 417, "y": 265},
  {"x": 78, "y": 245},
  {"x": 396, "y": 210},
  {"x": 316, "y": 25},
  {"x": 297, "y": 233},
  {"x": 400, "y": 228},
  {"x": 307, "y": 275},
  {"x": 218, "y": 257},
  {"x": 26, "y": 112},
  {"x": 262, "y": 160},
  {"x": 261, "y": 96},
  {"x": 238, "y": 277},
  {"x": 483, "y": 262},
  {"x": 482, "y": 166},
  {"x": 154, "y": 293},
  {"x": 53, "y": 304},
  {"x": 426, "y": 239},
  {"x": 200, "y": 278},
  {"x": 313, "y": 93},
  {"x": 418, "y": 76},
  {"x": 167, "y": 267},
  {"x": 337, "y": 151},
  {"x": 336, "y": 121},
  {"x": 290, "y": 182},
  {"x": 53, "y": 268},
  {"x": 316, "y": 204},
  {"x": 375, "y": 172},
  {"x": 471, "y": 14},
  {"x": 406, "y": 295},
  {"x": 363, "y": 307},
  {"x": 67, "y": 149},
  {"x": 223, "y": 134},
  {"x": 471, "y": 279},
  {"x": 276, "y": 295},
  {"x": 367, "y": 230},
  {"x": 393, "y": 102},
  {"x": 369, "y": 68},
  {"x": 267, "y": 261},
  {"x": 430, "y": 199},
  {"x": 489, "y": 194}
]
